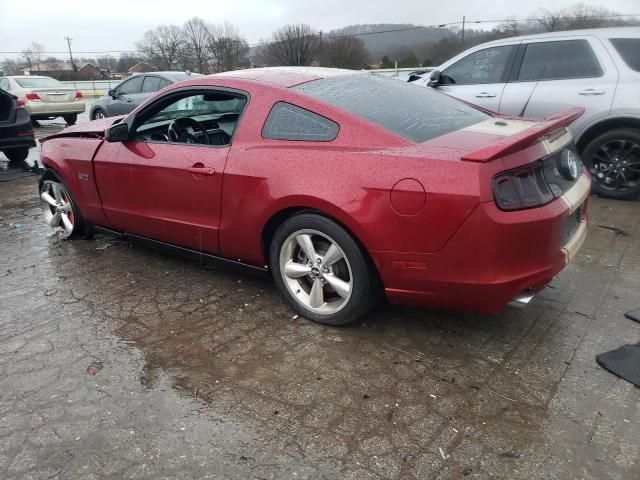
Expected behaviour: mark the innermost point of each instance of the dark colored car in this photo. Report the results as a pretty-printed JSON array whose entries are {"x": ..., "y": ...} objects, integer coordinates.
[
  {"x": 16, "y": 133},
  {"x": 340, "y": 185},
  {"x": 133, "y": 91}
]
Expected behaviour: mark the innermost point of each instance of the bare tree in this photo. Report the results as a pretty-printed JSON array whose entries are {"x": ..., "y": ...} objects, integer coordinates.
[
  {"x": 197, "y": 39},
  {"x": 293, "y": 45},
  {"x": 511, "y": 27},
  {"x": 162, "y": 46},
  {"x": 550, "y": 21},
  {"x": 344, "y": 52},
  {"x": 228, "y": 49}
]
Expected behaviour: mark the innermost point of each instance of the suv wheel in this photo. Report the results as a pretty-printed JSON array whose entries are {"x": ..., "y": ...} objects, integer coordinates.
[
  {"x": 17, "y": 155},
  {"x": 321, "y": 270},
  {"x": 614, "y": 161}
]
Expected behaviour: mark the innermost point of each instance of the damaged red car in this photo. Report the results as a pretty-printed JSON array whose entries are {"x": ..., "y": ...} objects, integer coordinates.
[{"x": 345, "y": 187}]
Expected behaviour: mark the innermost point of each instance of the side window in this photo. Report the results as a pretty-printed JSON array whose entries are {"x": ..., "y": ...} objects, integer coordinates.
[
  {"x": 289, "y": 122},
  {"x": 151, "y": 84},
  {"x": 558, "y": 60},
  {"x": 629, "y": 50},
  {"x": 197, "y": 118},
  {"x": 163, "y": 83},
  {"x": 4, "y": 84},
  {"x": 131, "y": 86},
  {"x": 484, "y": 66}
]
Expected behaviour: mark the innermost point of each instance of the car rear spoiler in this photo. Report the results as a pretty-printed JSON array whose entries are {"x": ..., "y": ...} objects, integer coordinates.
[{"x": 525, "y": 138}]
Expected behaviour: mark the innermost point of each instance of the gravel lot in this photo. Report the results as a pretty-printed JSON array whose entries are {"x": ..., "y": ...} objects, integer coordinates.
[{"x": 120, "y": 362}]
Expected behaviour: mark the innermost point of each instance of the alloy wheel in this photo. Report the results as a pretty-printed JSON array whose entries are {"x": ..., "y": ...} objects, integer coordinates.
[
  {"x": 616, "y": 165},
  {"x": 316, "y": 271},
  {"x": 57, "y": 208},
  {"x": 99, "y": 114}
]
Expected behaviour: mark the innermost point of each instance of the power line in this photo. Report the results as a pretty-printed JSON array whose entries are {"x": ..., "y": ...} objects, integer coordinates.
[{"x": 393, "y": 30}]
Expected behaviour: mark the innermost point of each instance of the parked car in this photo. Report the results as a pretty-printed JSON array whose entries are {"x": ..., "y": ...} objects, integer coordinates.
[
  {"x": 16, "y": 133},
  {"x": 133, "y": 91},
  {"x": 340, "y": 185},
  {"x": 45, "y": 97},
  {"x": 539, "y": 75}
]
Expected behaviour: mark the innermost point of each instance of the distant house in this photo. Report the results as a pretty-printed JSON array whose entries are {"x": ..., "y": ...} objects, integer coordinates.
[
  {"x": 141, "y": 68},
  {"x": 89, "y": 71}
]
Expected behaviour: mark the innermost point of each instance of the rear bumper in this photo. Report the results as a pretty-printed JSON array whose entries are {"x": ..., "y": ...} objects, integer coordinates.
[
  {"x": 494, "y": 257},
  {"x": 36, "y": 109},
  {"x": 18, "y": 134}
]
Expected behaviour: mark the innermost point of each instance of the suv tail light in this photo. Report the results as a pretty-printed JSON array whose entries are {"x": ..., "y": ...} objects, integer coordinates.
[
  {"x": 20, "y": 103},
  {"x": 539, "y": 182},
  {"x": 32, "y": 96},
  {"x": 79, "y": 95}
]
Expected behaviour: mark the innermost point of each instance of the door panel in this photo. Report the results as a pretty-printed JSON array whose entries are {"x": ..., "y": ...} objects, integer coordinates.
[
  {"x": 539, "y": 89},
  {"x": 166, "y": 191}
]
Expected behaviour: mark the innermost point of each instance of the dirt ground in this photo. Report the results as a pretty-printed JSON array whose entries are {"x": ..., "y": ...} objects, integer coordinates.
[{"x": 120, "y": 362}]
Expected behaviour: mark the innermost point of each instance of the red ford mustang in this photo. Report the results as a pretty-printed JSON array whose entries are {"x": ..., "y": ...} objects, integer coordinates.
[{"x": 343, "y": 186}]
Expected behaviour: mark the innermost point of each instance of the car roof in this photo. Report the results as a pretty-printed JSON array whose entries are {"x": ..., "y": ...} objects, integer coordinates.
[
  {"x": 611, "y": 32},
  {"x": 285, "y": 76}
]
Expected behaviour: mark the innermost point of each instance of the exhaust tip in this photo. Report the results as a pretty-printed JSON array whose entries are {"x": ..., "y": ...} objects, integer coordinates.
[{"x": 522, "y": 300}]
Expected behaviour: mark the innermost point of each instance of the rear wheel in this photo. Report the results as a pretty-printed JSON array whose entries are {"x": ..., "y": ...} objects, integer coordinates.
[
  {"x": 59, "y": 210},
  {"x": 70, "y": 119},
  {"x": 321, "y": 270},
  {"x": 17, "y": 155},
  {"x": 98, "y": 114},
  {"x": 614, "y": 161}
]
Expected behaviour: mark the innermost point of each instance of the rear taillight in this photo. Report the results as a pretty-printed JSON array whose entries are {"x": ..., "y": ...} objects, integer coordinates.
[
  {"x": 20, "y": 103},
  {"x": 33, "y": 96},
  {"x": 521, "y": 188},
  {"x": 79, "y": 96}
]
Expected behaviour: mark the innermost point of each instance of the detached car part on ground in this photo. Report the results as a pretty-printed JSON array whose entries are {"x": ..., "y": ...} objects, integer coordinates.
[
  {"x": 45, "y": 97},
  {"x": 342, "y": 186},
  {"x": 539, "y": 75},
  {"x": 16, "y": 133}
]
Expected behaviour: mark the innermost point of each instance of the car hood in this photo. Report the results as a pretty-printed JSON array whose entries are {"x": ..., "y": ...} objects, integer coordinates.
[{"x": 93, "y": 129}]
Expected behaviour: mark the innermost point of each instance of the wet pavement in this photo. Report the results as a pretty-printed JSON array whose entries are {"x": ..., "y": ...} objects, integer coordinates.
[{"x": 120, "y": 362}]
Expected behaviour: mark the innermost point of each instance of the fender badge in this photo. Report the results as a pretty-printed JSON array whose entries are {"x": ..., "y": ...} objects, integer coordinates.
[{"x": 83, "y": 176}]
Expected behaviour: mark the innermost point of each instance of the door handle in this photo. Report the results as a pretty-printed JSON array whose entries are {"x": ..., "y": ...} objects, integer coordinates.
[
  {"x": 202, "y": 170},
  {"x": 485, "y": 95},
  {"x": 591, "y": 92}
]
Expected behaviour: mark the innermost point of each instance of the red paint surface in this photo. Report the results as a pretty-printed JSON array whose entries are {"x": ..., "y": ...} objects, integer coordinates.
[{"x": 437, "y": 239}]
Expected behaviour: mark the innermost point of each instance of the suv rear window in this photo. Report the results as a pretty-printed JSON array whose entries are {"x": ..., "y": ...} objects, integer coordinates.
[
  {"x": 408, "y": 110},
  {"x": 559, "y": 60},
  {"x": 629, "y": 50}
]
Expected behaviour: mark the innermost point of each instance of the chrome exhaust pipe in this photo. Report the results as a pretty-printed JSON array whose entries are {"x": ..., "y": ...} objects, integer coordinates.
[{"x": 522, "y": 300}]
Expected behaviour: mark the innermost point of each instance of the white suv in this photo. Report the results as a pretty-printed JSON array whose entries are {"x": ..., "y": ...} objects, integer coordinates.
[{"x": 539, "y": 75}]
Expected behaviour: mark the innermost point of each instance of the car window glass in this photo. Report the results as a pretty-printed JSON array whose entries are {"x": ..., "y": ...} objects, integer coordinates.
[
  {"x": 38, "y": 82},
  {"x": 217, "y": 112},
  {"x": 558, "y": 60},
  {"x": 406, "y": 109},
  {"x": 131, "y": 86},
  {"x": 4, "y": 85},
  {"x": 163, "y": 83},
  {"x": 289, "y": 122},
  {"x": 629, "y": 50},
  {"x": 484, "y": 66},
  {"x": 150, "y": 84}
]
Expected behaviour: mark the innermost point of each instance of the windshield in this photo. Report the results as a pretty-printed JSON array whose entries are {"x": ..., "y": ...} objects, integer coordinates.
[
  {"x": 414, "y": 112},
  {"x": 39, "y": 82}
]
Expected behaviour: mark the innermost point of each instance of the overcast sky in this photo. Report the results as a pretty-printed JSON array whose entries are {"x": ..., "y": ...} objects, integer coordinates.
[{"x": 115, "y": 25}]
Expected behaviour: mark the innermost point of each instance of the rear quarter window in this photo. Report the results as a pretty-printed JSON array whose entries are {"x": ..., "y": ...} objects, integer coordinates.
[
  {"x": 629, "y": 50},
  {"x": 411, "y": 111},
  {"x": 290, "y": 122},
  {"x": 558, "y": 60}
]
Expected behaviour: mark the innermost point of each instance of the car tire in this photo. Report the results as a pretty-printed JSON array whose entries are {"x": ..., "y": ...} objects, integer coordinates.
[
  {"x": 17, "y": 155},
  {"x": 60, "y": 210},
  {"x": 332, "y": 291},
  {"x": 614, "y": 161},
  {"x": 70, "y": 119},
  {"x": 98, "y": 114}
]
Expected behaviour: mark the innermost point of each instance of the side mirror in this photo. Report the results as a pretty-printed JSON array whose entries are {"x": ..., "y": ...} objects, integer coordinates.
[
  {"x": 434, "y": 78},
  {"x": 117, "y": 133},
  {"x": 112, "y": 93}
]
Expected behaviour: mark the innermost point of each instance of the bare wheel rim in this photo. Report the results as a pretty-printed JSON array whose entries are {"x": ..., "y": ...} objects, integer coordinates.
[
  {"x": 57, "y": 208},
  {"x": 316, "y": 271},
  {"x": 616, "y": 165}
]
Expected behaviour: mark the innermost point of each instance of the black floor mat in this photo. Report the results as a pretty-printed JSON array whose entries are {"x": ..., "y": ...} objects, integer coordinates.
[
  {"x": 623, "y": 362},
  {"x": 633, "y": 315}
]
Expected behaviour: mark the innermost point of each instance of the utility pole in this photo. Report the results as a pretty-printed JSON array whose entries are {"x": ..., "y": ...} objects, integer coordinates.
[
  {"x": 463, "y": 21},
  {"x": 73, "y": 65}
]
